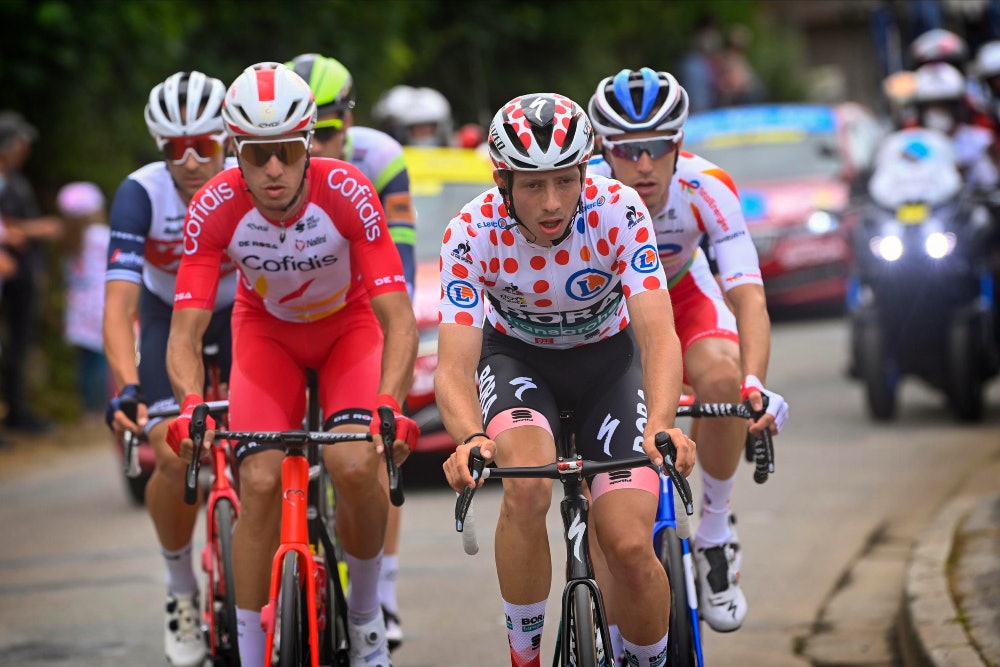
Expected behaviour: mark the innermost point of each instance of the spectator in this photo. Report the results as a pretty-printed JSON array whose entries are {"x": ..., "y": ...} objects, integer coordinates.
[
  {"x": 87, "y": 237},
  {"x": 738, "y": 82},
  {"x": 22, "y": 293},
  {"x": 699, "y": 68}
]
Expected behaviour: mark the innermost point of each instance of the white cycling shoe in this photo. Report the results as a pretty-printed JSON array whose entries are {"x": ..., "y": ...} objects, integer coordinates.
[
  {"x": 393, "y": 630},
  {"x": 184, "y": 642},
  {"x": 369, "y": 646},
  {"x": 720, "y": 598}
]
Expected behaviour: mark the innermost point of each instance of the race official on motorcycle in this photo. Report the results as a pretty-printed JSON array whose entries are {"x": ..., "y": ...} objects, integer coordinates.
[{"x": 939, "y": 90}]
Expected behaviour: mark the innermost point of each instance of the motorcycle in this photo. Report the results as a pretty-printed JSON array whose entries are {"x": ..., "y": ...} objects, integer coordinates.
[{"x": 920, "y": 295}]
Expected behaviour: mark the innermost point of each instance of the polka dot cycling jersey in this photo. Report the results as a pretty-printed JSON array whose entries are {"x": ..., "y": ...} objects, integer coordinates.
[
  {"x": 703, "y": 200},
  {"x": 334, "y": 251},
  {"x": 562, "y": 296}
]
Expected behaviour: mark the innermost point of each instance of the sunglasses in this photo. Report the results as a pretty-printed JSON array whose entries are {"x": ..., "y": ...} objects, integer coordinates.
[
  {"x": 204, "y": 146},
  {"x": 329, "y": 131},
  {"x": 259, "y": 152},
  {"x": 633, "y": 150}
]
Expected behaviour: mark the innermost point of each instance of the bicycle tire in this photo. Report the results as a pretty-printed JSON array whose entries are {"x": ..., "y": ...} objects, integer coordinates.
[
  {"x": 582, "y": 628},
  {"x": 224, "y": 633},
  {"x": 681, "y": 646},
  {"x": 293, "y": 651}
]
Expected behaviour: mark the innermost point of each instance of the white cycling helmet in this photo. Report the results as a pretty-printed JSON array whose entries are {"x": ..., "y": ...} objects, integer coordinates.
[
  {"x": 402, "y": 107},
  {"x": 267, "y": 100},
  {"x": 988, "y": 60},
  {"x": 938, "y": 82},
  {"x": 186, "y": 104},
  {"x": 540, "y": 132},
  {"x": 938, "y": 46},
  {"x": 636, "y": 101}
]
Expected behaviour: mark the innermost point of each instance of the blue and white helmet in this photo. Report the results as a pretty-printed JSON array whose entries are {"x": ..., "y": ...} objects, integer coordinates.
[{"x": 638, "y": 101}]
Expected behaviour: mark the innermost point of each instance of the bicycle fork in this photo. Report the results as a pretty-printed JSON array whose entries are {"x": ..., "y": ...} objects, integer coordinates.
[{"x": 294, "y": 538}]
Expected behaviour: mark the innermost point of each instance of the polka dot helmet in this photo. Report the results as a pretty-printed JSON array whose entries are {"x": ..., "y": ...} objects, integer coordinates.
[{"x": 540, "y": 132}]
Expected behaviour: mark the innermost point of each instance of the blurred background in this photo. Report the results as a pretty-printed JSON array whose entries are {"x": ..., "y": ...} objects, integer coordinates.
[{"x": 80, "y": 71}]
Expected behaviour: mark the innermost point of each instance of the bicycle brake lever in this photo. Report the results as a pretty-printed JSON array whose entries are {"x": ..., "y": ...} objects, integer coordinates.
[
  {"x": 669, "y": 451},
  {"x": 130, "y": 453},
  {"x": 196, "y": 429},
  {"x": 760, "y": 448},
  {"x": 387, "y": 428},
  {"x": 476, "y": 465}
]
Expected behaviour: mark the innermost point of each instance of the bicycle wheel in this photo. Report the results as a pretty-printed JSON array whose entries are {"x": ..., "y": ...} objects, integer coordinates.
[
  {"x": 293, "y": 651},
  {"x": 681, "y": 643},
  {"x": 581, "y": 628},
  {"x": 225, "y": 650}
]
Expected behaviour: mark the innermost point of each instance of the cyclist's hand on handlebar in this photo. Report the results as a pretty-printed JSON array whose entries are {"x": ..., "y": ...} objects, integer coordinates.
[
  {"x": 179, "y": 430},
  {"x": 776, "y": 407},
  {"x": 685, "y": 459},
  {"x": 126, "y": 411},
  {"x": 407, "y": 431},
  {"x": 456, "y": 468}
]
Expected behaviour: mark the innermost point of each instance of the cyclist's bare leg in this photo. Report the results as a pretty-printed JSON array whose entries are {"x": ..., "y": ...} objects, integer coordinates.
[
  {"x": 713, "y": 366},
  {"x": 173, "y": 519},
  {"x": 623, "y": 521},
  {"x": 255, "y": 537},
  {"x": 523, "y": 560},
  {"x": 362, "y": 503}
]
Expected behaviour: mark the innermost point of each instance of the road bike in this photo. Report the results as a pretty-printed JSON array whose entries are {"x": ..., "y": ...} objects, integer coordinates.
[
  {"x": 584, "y": 639},
  {"x": 672, "y": 532},
  {"x": 305, "y": 618}
]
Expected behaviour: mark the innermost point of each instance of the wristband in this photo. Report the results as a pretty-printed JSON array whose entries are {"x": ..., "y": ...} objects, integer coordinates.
[{"x": 475, "y": 435}]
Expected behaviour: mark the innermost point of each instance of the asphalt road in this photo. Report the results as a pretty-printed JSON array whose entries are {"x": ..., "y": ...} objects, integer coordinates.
[{"x": 81, "y": 582}]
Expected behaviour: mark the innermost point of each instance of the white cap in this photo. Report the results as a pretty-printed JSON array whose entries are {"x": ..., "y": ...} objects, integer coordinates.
[{"x": 79, "y": 199}]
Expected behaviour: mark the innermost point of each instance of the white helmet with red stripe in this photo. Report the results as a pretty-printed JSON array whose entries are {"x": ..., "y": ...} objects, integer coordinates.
[
  {"x": 540, "y": 132},
  {"x": 266, "y": 100}
]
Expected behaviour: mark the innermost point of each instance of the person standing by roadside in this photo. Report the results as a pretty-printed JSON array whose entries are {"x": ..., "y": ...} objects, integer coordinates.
[
  {"x": 86, "y": 241},
  {"x": 23, "y": 291}
]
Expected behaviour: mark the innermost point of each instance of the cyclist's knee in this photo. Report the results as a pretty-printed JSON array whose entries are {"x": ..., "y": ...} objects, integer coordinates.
[
  {"x": 260, "y": 478},
  {"x": 526, "y": 499}
]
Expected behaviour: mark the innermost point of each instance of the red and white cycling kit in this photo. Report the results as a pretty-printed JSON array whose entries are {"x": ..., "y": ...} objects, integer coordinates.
[
  {"x": 303, "y": 299},
  {"x": 703, "y": 200}
]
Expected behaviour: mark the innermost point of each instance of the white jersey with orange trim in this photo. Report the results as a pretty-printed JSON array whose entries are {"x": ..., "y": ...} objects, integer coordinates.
[
  {"x": 561, "y": 296},
  {"x": 333, "y": 252},
  {"x": 703, "y": 200}
]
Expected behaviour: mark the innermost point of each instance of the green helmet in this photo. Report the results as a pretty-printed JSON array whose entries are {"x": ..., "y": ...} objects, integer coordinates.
[{"x": 331, "y": 83}]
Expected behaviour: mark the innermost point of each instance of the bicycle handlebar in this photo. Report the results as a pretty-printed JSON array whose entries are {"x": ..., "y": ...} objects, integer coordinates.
[
  {"x": 759, "y": 449},
  {"x": 578, "y": 467},
  {"x": 293, "y": 439}
]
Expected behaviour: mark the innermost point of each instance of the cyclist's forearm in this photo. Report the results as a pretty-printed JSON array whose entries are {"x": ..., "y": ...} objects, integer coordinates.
[
  {"x": 184, "y": 363},
  {"x": 754, "y": 327},
  {"x": 119, "y": 336},
  {"x": 398, "y": 358}
]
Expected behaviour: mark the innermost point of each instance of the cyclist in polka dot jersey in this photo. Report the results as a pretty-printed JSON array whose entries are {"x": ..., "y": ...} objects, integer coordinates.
[{"x": 553, "y": 298}]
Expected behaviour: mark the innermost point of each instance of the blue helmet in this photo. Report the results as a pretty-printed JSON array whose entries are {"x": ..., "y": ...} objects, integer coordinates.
[{"x": 637, "y": 101}]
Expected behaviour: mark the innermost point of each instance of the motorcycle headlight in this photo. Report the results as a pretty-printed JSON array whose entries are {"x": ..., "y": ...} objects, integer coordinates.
[
  {"x": 821, "y": 222},
  {"x": 939, "y": 244},
  {"x": 889, "y": 248}
]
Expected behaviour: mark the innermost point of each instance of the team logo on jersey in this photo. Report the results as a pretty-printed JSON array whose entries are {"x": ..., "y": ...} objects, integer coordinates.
[
  {"x": 463, "y": 294},
  {"x": 461, "y": 252},
  {"x": 645, "y": 259},
  {"x": 633, "y": 216},
  {"x": 586, "y": 284},
  {"x": 668, "y": 250},
  {"x": 689, "y": 186}
]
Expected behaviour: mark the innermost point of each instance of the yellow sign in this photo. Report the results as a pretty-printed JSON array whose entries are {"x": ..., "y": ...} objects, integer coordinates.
[{"x": 429, "y": 168}]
